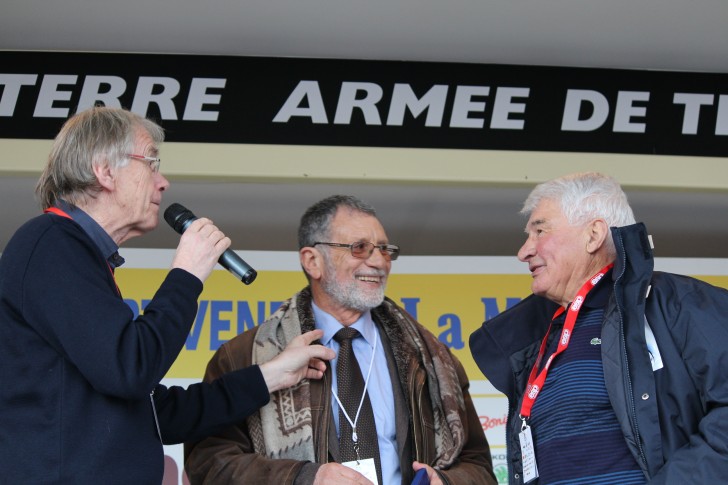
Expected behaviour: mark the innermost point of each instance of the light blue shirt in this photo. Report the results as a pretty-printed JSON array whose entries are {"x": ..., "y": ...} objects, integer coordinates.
[{"x": 379, "y": 387}]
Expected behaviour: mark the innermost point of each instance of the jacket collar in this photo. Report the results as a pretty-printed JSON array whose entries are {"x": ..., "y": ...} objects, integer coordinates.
[{"x": 634, "y": 251}]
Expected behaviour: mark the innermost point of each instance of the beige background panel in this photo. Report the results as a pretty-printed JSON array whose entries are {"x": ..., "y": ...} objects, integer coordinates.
[
  {"x": 291, "y": 163},
  {"x": 431, "y": 202}
]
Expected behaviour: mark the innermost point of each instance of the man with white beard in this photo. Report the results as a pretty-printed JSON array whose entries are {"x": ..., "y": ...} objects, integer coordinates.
[{"x": 411, "y": 409}]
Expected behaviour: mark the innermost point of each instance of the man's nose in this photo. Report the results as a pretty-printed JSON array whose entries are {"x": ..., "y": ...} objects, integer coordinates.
[{"x": 527, "y": 250}]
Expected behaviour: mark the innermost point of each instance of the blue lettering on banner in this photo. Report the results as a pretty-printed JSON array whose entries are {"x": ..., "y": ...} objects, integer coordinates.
[
  {"x": 245, "y": 319},
  {"x": 218, "y": 324},
  {"x": 453, "y": 337},
  {"x": 245, "y": 316},
  {"x": 410, "y": 306},
  {"x": 221, "y": 323},
  {"x": 194, "y": 337},
  {"x": 133, "y": 305},
  {"x": 491, "y": 305}
]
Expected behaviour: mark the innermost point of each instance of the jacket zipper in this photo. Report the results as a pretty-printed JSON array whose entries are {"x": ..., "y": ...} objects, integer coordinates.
[
  {"x": 628, "y": 379},
  {"x": 509, "y": 437}
]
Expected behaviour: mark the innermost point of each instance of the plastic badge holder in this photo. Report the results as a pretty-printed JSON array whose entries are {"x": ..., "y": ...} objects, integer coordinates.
[{"x": 421, "y": 478}]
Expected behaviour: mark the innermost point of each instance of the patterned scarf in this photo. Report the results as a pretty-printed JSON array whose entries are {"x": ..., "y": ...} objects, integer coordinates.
[{"x": 282, "y": 429}]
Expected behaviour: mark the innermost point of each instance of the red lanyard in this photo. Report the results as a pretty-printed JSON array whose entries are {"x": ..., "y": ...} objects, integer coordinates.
[
  {"x": 62, "y": 213},
  {"x": 58, "y": 212},
  {"x": 536, "y": 378}
]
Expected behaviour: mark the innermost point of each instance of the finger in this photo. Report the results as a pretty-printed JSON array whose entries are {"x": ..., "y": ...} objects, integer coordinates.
[
  {"x": 311, "y": 336},
  {"x": 313, "y": 374},
  {"x": 199, "y": 224},
  {"x": 317, "y": 365},
  {"x": 299, "y": 341},
  {"x": 320, "y": 352},
  {"x": 224, "y": 242}
]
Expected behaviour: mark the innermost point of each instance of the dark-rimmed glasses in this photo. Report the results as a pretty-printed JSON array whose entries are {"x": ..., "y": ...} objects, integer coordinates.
[
  {"x": 153, "y": 162},
  {"x": 364, "y": 249}
]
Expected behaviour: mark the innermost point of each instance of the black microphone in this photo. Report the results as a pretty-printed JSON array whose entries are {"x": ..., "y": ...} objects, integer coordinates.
[{"x": 180, "y": 218}]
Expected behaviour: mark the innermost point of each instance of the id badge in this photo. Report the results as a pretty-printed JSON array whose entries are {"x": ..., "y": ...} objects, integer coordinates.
[
  {"x": 528, "y": 455},
  {"x": 366, "y": 468}
]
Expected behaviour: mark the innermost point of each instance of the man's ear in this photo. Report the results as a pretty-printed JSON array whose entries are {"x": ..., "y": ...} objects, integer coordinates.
[
  {"x": 312, "y": 262},
  {"x": 105, "y": 175},
  {"x": 597, "y": 232}
]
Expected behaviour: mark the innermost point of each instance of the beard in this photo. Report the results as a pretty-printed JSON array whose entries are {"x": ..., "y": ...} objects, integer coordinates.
[{"x": 349, "y": 294}]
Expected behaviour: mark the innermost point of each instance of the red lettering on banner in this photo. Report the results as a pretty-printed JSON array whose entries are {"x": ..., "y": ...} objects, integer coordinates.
[{"x": 489, "y": 423}]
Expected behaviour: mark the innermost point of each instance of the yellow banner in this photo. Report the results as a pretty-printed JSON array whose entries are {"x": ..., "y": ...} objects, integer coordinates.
[{"x": 452, "y": 306}]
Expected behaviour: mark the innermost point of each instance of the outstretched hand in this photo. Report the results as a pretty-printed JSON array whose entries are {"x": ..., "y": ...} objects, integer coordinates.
[
  {"x": 336, "y": 474},
  {"x": 299, "y": 360}
]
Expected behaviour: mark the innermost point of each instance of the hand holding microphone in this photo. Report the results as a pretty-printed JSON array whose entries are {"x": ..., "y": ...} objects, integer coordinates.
[{"x": 180, "y": 219}]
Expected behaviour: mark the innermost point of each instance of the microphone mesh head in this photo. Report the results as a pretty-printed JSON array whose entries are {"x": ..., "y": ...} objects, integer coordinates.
[{"x": 177, "y": 216}]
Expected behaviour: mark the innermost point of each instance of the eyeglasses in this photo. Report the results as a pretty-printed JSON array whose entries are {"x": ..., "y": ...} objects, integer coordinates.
[
  {"x": 152, "y": 161},
  {"x": 364, "y": 249}
]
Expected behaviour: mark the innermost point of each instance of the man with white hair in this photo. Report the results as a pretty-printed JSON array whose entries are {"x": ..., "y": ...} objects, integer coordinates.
[{"x": 614, "y": 373}]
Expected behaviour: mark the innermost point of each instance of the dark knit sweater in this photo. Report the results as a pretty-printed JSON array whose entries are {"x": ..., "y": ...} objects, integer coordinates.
[{"x": 77, "y": 369}]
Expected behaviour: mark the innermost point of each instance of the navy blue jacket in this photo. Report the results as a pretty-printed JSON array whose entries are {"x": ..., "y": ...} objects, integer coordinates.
[
  {"x": 675, "y": 418},
  {"x": 77, "y": 369}
]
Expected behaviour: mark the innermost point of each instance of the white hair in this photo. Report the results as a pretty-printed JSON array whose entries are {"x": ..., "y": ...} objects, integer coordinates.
[{"x": 583, "y": 197}]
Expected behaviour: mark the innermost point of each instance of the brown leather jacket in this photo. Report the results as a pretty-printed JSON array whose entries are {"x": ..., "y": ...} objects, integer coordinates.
[{"x": 228, "y": 457}]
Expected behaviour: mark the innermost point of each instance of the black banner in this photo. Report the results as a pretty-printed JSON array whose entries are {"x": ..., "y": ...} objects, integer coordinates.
[{"x": 225, "y": 99}]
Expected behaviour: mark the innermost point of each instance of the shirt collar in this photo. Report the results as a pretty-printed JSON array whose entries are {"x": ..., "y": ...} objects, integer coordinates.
[
  {"x": 330, "y": 325},
  {"x": 109, "y": 249}
]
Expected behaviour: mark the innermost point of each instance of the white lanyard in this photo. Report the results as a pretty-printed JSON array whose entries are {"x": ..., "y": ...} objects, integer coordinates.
[{"x": 354, "y": 436}]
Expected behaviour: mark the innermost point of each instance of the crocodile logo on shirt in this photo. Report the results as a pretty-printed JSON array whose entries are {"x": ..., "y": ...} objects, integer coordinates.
[{"x": 596, "y": 341}]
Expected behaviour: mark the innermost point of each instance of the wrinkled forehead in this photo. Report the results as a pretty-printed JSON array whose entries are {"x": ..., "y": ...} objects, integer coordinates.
[
  {"x": 144, "y": 144},
  {"x": 354, "y": 226},
  {"x": 545, "y": 212}
]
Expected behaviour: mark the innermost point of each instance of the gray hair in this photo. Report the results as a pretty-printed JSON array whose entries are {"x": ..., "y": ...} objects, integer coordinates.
[
  {"x": 316, "y": 221},
  {"x": 93, "y": 137},
  {"x": 583, "y": 197}
]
